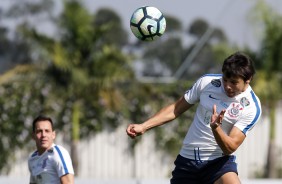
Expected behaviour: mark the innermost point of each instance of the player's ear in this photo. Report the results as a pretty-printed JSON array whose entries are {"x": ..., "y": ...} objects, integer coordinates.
[
  {"x": 249, "y": 80},
  {"x": 54, "y": 134}
]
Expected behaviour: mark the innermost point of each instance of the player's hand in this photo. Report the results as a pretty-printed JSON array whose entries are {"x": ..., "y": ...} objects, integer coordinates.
[
  {"x": 134, "y": 130},
  {"x": 216, "y": 119}
]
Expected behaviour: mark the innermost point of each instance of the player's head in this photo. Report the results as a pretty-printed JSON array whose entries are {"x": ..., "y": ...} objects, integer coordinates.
[
  {"x": 238, "y": 65},
  {"x": 42, "y": 118},
  {"x": 43, "y": 133},
  {"x": 238, "y": 71}
]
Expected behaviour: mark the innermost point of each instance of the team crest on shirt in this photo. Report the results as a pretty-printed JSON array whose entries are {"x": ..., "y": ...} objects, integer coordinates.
[
  {"x": 216, "y": 83},
  {"x": 234, "y": 110},
  {"x": 244, "y": 102}
]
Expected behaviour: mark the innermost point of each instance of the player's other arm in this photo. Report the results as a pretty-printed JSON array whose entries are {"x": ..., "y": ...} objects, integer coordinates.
[
  {"x": 67, "y": 179},
  {"x": 227, "y": 143},
  {"x": 165, "y": 115}
]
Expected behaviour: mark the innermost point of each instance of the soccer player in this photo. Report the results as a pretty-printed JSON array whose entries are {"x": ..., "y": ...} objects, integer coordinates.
[
  {"x": 227, "y": 110},
  {"x": 50, "y": 163}
]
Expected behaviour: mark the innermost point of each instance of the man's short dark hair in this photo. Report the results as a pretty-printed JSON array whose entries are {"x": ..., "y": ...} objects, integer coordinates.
[
  {"x": 238, "y": 65},
  {"x": 41, "y": 118}
]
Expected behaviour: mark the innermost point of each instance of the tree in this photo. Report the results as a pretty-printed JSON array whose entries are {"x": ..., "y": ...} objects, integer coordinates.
[
  {"x": 171, "y": 57},
  {"x": 115, "y": 33},
  {"x": 78, "y": 73},
  {"x": 200, "y": 57},
  {"x": 162, "y": 56},
  {"x": 198, "y": 28},
  {"x": 22, "y": 98},
  {"x": 270, "y": 77}
]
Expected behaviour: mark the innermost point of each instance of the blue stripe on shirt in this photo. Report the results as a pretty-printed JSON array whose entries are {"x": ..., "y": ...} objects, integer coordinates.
[
  {"x": 62, "y": 159},
  {"x": 257, "y": 114}
]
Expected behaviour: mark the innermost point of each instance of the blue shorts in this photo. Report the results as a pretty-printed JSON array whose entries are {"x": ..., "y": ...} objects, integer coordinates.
[{"x": 202, "y": 172}]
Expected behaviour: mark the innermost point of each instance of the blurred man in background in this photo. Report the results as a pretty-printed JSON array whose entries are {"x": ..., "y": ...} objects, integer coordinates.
[{"x": 50, "y": 163}]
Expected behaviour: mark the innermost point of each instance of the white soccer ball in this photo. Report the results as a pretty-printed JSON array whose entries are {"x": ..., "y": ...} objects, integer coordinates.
[{"x": 147, "y": 23}]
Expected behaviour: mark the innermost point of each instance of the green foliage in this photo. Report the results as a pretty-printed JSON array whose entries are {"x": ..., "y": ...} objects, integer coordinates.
[
  {"x": 170, "y": 136},
  {"x": 83, "y": 79},
  {"x": 113, "y": 31},
  {"x": 221, "y": 50},
  {"x": 75, "y": 24},
  {"x": 146, "y": 100},
  {"x": 270, "y": 52},
  {"x": 267, "y": 83},
  {"x": 273, "y": 86},
  {"x": 76, "y": 81},
  {"x": 169, "y": 56},
  {"x": 22, "y": 98},
  {"x": 269, "y": 57}
]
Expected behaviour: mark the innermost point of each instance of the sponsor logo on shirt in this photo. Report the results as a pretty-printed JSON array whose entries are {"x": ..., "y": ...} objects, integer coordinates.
[{"x": 216, "y": 83}]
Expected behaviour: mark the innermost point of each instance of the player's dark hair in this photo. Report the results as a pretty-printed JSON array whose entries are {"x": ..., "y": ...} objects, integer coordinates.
[
  {"x": 238, "y": 64},
  {"x": 41, "y": 118}
]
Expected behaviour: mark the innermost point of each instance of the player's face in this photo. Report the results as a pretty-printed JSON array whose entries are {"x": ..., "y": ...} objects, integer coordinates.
[
  {"x": 234, "y": 85},
  {"x": 43, "y": 136}
]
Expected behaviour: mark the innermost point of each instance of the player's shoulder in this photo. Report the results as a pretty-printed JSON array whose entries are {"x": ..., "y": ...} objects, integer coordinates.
[
  {"x": 60, "y": 150},
  {"x": 210, "y": 77},
  {"x": 61, "y": 155},
  {"x": 251, "y": 95},
  {"x": 213, "y": 79},
  {"x": 33, "y": 154},
  {"x": 250, "y": 102}
]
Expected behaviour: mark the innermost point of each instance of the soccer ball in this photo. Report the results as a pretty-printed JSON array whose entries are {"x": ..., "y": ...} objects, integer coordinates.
[{"x": 147, "y": 23}]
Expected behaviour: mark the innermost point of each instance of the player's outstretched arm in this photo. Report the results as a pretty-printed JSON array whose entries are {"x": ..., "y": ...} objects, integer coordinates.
[{"x": 165, "y": 115}]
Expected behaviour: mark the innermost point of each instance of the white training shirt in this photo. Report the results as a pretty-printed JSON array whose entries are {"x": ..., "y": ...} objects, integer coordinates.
[
  {"x": 242, "y": 111},
  {"x": 50, "y": 166}
]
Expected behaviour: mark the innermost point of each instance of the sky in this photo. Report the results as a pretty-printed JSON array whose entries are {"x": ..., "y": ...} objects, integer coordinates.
[{"x": 229, "y": 15}]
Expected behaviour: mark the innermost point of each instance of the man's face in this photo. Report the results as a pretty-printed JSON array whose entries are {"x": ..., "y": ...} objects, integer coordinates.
[
  {"x": 43, "y": 136},
  {"x": 234, "y": 85}
]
